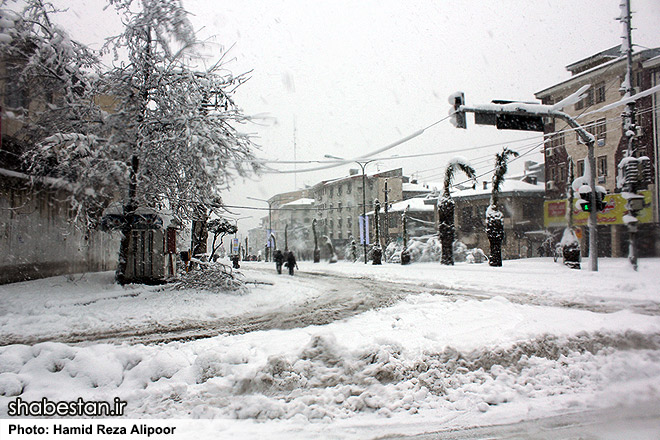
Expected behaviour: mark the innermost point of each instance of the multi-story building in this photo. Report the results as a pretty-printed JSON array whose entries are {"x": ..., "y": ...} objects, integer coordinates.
[
  {"x": 520, "y": 201},
  {"x": 340, "y": 204},
  {"x": 294, "y": 227},
  {"x": 336, "y": 205},
  {"x": 604, "y": 71}
]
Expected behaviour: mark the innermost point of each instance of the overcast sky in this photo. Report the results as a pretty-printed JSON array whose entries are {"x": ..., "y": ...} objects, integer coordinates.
[{"x": 349, "y": 77}]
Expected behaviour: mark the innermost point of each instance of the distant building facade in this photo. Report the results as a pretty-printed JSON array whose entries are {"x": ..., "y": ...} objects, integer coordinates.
[{"x": 521, "y": 203}]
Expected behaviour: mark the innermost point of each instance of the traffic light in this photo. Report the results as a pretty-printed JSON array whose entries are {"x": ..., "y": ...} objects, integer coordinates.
[
  {"x": 584, "y": 202},
  {"x": 457, "y": 117}
]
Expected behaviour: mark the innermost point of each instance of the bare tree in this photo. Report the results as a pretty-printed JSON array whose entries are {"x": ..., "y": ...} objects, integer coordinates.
[{"x": 219, "y": 227}]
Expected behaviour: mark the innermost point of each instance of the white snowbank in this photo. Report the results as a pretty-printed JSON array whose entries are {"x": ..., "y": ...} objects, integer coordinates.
[{"x": 487, "y": 352}]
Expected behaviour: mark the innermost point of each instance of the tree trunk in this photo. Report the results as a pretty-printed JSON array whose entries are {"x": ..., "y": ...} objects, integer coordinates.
[
  {"x": 127, "y": 227},
  {"x": 200, "y": 232},
  {"x": 495, "y": 233},
  {"x": 446, "y": 230},
  {"x": 317, "y": 251}
]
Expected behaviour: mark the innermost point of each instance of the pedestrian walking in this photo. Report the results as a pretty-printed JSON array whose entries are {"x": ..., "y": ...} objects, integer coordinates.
[
  {"x": 278, "y": 256},
  {"x": 235, "y": 259},
  {"x": 291, "y": 262}
]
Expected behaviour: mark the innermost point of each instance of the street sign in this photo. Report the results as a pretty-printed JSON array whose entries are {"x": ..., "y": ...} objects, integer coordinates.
[
  {"x": 234, "y": 246},
  {"x": 361, "y": 224}
]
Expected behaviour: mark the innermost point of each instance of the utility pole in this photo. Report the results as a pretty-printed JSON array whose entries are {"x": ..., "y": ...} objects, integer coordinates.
[{"x": 630, "y": 164}]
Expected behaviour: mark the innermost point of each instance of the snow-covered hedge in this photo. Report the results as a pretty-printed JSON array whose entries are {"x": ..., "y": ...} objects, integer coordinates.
[{"x": 430, "y": 250}]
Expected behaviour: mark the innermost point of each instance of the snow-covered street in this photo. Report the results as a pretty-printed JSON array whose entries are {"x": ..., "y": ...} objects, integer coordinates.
[{"x": 344, "y": 350}]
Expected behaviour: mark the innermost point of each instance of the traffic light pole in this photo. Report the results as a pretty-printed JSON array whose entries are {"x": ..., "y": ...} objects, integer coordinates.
[
  {"x": 534, "y": 110},
  {"x": 629, "y": 128}
]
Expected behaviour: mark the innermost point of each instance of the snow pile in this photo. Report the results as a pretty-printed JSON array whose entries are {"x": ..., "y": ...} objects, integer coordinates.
[
  {"x": 434, "y": 359},
  {"x": 326, "y": 381}
]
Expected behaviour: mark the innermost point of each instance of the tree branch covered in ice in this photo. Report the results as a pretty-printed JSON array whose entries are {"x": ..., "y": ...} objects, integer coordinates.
[
  {"x": 179, "y": 122},
  {"x": 214, "y": 277},
  {"x": 154, "y": 121}
]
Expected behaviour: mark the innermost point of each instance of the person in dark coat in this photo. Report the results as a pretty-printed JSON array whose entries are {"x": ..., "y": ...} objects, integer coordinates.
[
  {"x": 278, "y": 256},
  {"x": 291, "y": 262}
]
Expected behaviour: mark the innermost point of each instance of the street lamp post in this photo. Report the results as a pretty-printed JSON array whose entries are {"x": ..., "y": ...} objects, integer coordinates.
[
  {"x": 270, "y": 219},
  {"x": 363, "y": 165},
  {"x": 236, "y": 225}
]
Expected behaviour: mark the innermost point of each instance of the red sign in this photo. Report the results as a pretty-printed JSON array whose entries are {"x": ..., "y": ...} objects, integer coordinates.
[{"x": 557, "y": 209}]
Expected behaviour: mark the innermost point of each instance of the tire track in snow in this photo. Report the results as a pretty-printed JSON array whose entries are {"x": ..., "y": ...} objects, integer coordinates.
[
  {"x": 343, "y": 296},
  {"x": 337, "y": 301}
]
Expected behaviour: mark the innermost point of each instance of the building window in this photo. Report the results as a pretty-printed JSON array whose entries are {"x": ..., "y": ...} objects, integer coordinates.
[
  {"x": 562, "y": 173},
  {"x": 580, "y": 168},
  {"x": 467, "y": 220},
  {"x": 601, "y": 130},
  {"x": 553, "y": 174},
  {"x": 600, "y": 92},
  {"x": 602, "y": 166},
  {"x": 338, "y": 190},
  {"x": 587, "y": 101}
]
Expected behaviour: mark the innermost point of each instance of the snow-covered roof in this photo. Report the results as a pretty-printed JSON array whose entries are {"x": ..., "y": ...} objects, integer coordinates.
[
  {"x": 596, "y": 59},
  {"x": 645, "y": 54},
  {"x": 304, "y": 201},
  {"x": 509, "y": 187},
  {"x": 652, "y": 62},
  {"x": 414, "y": 205},
  {"x": 416, "y": 187},
  {"x": 369, "y": 175}
]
